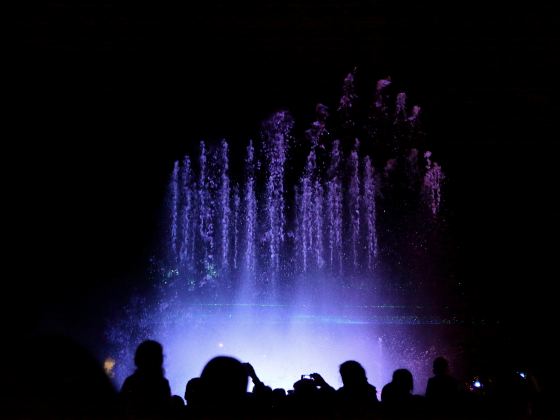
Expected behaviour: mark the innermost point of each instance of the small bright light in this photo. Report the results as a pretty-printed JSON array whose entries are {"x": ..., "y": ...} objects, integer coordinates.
[
  {"x": 220, "y": 345},
  {"x": 108, "y": 365},
  {"x": 522, "y": 374},
  {"x": 477, "y": 384}
]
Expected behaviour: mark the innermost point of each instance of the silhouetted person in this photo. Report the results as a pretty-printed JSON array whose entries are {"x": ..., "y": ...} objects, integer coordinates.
[
  {"x": 146, "y": 392},
  {"x": 397, "y": 399},
  {"x": 279, "y": 402},
  {"x": 304, "y": 401},
  {"x": 176, "y": 408},
  {"x": 259, "y": 386},
  {"x": 222, "y": 388},
  {"x": 259, "y": 402},
  {"x": 312, "y": 397},
  {"x": 54, "y": 377},
  {"x": 356, "y": 398},
  {"x": 192, "y": 396},
  {"x": 442, "y": 391}
]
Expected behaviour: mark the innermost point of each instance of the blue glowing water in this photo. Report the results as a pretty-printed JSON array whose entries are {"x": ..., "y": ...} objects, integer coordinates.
[{"x": 286, "y": 263}]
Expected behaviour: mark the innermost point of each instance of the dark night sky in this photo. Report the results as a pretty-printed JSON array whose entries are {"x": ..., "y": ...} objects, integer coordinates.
[{"x": 105, "y": 95}]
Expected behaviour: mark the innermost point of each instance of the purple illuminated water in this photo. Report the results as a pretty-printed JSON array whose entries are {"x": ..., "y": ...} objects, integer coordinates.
[
  {"x": 354, "y": 204},
  {"x": 369, "y": 213},
  {"x": 288, "y": 252},
  {"x": 250, "y": 222}
]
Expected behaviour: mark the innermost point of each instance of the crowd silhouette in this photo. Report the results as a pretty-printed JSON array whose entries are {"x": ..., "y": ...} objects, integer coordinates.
[{"x": 75, "y": 386}]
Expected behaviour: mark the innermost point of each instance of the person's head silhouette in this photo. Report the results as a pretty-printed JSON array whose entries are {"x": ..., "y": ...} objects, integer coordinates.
[
  {"x": 225, "y": 377},
  {"x": 440, "y": 366},
  {"x": 149, "y": 356},
  {"x": 402, "y": 378},
  {"x": 352, "y": 373}
]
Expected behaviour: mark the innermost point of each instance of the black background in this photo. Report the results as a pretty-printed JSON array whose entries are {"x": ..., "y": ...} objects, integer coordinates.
[{"x": 104, "y": 96}]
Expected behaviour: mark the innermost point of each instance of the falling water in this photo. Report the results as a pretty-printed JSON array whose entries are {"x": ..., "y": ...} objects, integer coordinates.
[
  {"x": 261, "y": 232},
  {"x": 250, "y": 222},
  {"x": 318, "y": 209},
  {"x": 224, "y": 206},
  {"x": 186, "y": 255},
  {"x": 174, "y": 209},
  {"x": 206, "y": 213},
  {"x": 334, "y": 210},
  {"x": 433, "y": 180},
  {"x": 369, "y": 213},
  {"x": 277, "y": 133},
  {"x": 305, "y": 204},
  {"x": 400, "y": 107},
  {"x": 347, "y": 102},
  {"x": 236, "y": 216},
  {"x": 354, "y": 204}
]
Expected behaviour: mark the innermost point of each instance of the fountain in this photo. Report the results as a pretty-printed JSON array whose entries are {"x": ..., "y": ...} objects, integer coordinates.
[{"x": 302, "y": 257}]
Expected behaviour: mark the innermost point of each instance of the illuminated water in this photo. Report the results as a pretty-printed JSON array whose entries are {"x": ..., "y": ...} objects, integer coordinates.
[{"x": 296, "y": 259}]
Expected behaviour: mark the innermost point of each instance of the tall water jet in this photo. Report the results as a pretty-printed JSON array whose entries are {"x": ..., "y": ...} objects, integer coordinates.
[
  {"x": 334, "y": 209},
  {"x": 433, "y": 180},
  {"x": 381, "y": 101},
  {"x": 250, "y": 222},
  {"x": 354, "y": 204},
  {"x": 305, "y": 206},
  {"x": 236, "y": 216},
  {"x": 186, "y": 253},
  {"x": 206, "y": 216},
  {"x": 174, "y": 209},
  {"x": 277, "y": 132},
  {"x": 400, "y": 108},
  {"x": 318, "y": 230},
  {"x": 369, "y": 213},
  {"x": 347, "y": 102},
  {"x": 224, "y": 206}
]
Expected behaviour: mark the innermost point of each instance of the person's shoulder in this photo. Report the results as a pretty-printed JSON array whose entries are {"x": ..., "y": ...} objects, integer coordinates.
[
  {"x": 129, "y": 382},
  {"x": 165, "y": 384},
  {"x": 452, "y": 381},
  {"x": 131, "y": 378},
  {"x": 372, "y": 391},
  {"x": 386, "y": 390}
]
